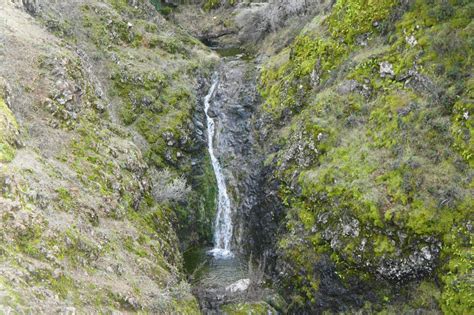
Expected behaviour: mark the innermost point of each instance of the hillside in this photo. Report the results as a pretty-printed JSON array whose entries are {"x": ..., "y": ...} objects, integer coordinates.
[
  {"x": 97, "y": 140},
  {"x": 368, "y": 130}
]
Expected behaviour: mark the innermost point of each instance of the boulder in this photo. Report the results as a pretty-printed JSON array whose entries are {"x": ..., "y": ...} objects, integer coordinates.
[{"x": 238, "y": 286}]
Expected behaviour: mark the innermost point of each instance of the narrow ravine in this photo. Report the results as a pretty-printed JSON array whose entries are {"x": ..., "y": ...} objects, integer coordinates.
[
  {"x": 223, "y": 223},
  {"x": 222, "y": 275}
]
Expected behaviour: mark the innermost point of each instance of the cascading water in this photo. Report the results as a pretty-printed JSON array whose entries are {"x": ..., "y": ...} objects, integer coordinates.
[
  {"x": 223, "y": 223},
  {"x": 216, "y": 273}
]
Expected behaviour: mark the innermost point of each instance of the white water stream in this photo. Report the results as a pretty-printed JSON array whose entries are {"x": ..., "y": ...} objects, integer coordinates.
[{"x": 223, "y": 223}]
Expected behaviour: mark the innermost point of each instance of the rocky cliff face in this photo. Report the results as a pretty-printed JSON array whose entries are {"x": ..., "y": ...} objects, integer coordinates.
[{"x": 367, "y": 127}]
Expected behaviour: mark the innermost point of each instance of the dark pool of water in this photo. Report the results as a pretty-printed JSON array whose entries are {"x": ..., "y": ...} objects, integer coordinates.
[
  {"x": 226, "y": 52},
  {"x": 207, "y": 271},
  {"x": 230, "y": 52}
]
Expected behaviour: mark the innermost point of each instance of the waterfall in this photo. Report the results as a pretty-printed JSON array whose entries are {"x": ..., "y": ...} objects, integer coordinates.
[{"x": 223, "y": 223}]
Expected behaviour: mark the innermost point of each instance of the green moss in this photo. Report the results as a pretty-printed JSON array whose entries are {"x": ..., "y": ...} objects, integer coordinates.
[
  {"x": 10, "y": 296},
  {"x": 382, "y": 245},
  {"x": 8, "y": 133},
  {"x": 79, "y": 250},
  {"x": 63, "y": 285},
  {"x": 312, "y": 60},
  {"x": 457, "y": 296},
  {"x": 133, "y": 247},
  {"x": 105, "y": 29},
  {"x": 155, "y": 107},
  {"x": 196, "y": 217},
  {"x": 350, "y": 18},
  {"x": 463, "y": 127},
  {"x": 255, "y": 308},
  {"x": 7, "y": 152},
  {"x": 426, "y": 296},
  {"x": 211, "y": 4},
  {"x": 287, "y": 86},
  {"x": 95, "y": 170},
  {"x": 187, "y": 306},
  {"x": 60, "y": 28},
  {"x": 65, "y": 198}
]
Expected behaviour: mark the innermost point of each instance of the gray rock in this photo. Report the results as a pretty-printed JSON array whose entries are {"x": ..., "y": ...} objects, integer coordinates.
[
  {"x": 348, "y": 86},
  {"x": 386, "y": 69},
  {"x": 411, "y": 40},
  {"x": 350, "y": 227},
  {"x": 198, "y": 124},
  {"x": 31, "y": 6}
]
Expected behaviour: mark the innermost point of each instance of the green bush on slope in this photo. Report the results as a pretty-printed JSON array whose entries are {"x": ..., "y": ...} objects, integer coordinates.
[
  {"x": 8, "y": 133},
  {"x": 214, "y": 4}
]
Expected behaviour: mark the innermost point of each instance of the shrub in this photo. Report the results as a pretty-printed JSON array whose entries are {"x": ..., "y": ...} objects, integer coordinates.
[{"x": 167, "y": 187}]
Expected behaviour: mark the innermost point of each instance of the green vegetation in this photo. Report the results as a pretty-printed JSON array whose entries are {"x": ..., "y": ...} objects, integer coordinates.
[
  {"x": 195, "y": 226},
  {"x": 257, "y": 308},
  {"x": 391, "y": 150},
  {"x": 162, "y": 7},
  {"x": 214, "y": 4},
  {"x": 8, "y": 133}
]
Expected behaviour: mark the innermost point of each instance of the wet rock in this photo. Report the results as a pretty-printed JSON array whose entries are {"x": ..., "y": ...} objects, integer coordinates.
[
  {"x": 418, "y": 82},
  {"x": 212, "y": 113},
  {"x": 315, "y": 77},
  {"x": 198, "y": 124},
  {"x": 168, "y": 156},
  {"x": 303, "y": 150},
  {"x": 350, "y": 227},
  {"x": 362, "y": 40},
  {"x": 147, "y": 101}
]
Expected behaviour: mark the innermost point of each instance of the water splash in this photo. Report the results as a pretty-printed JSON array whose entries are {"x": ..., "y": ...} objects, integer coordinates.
[{"x": 223, "y": 224}]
